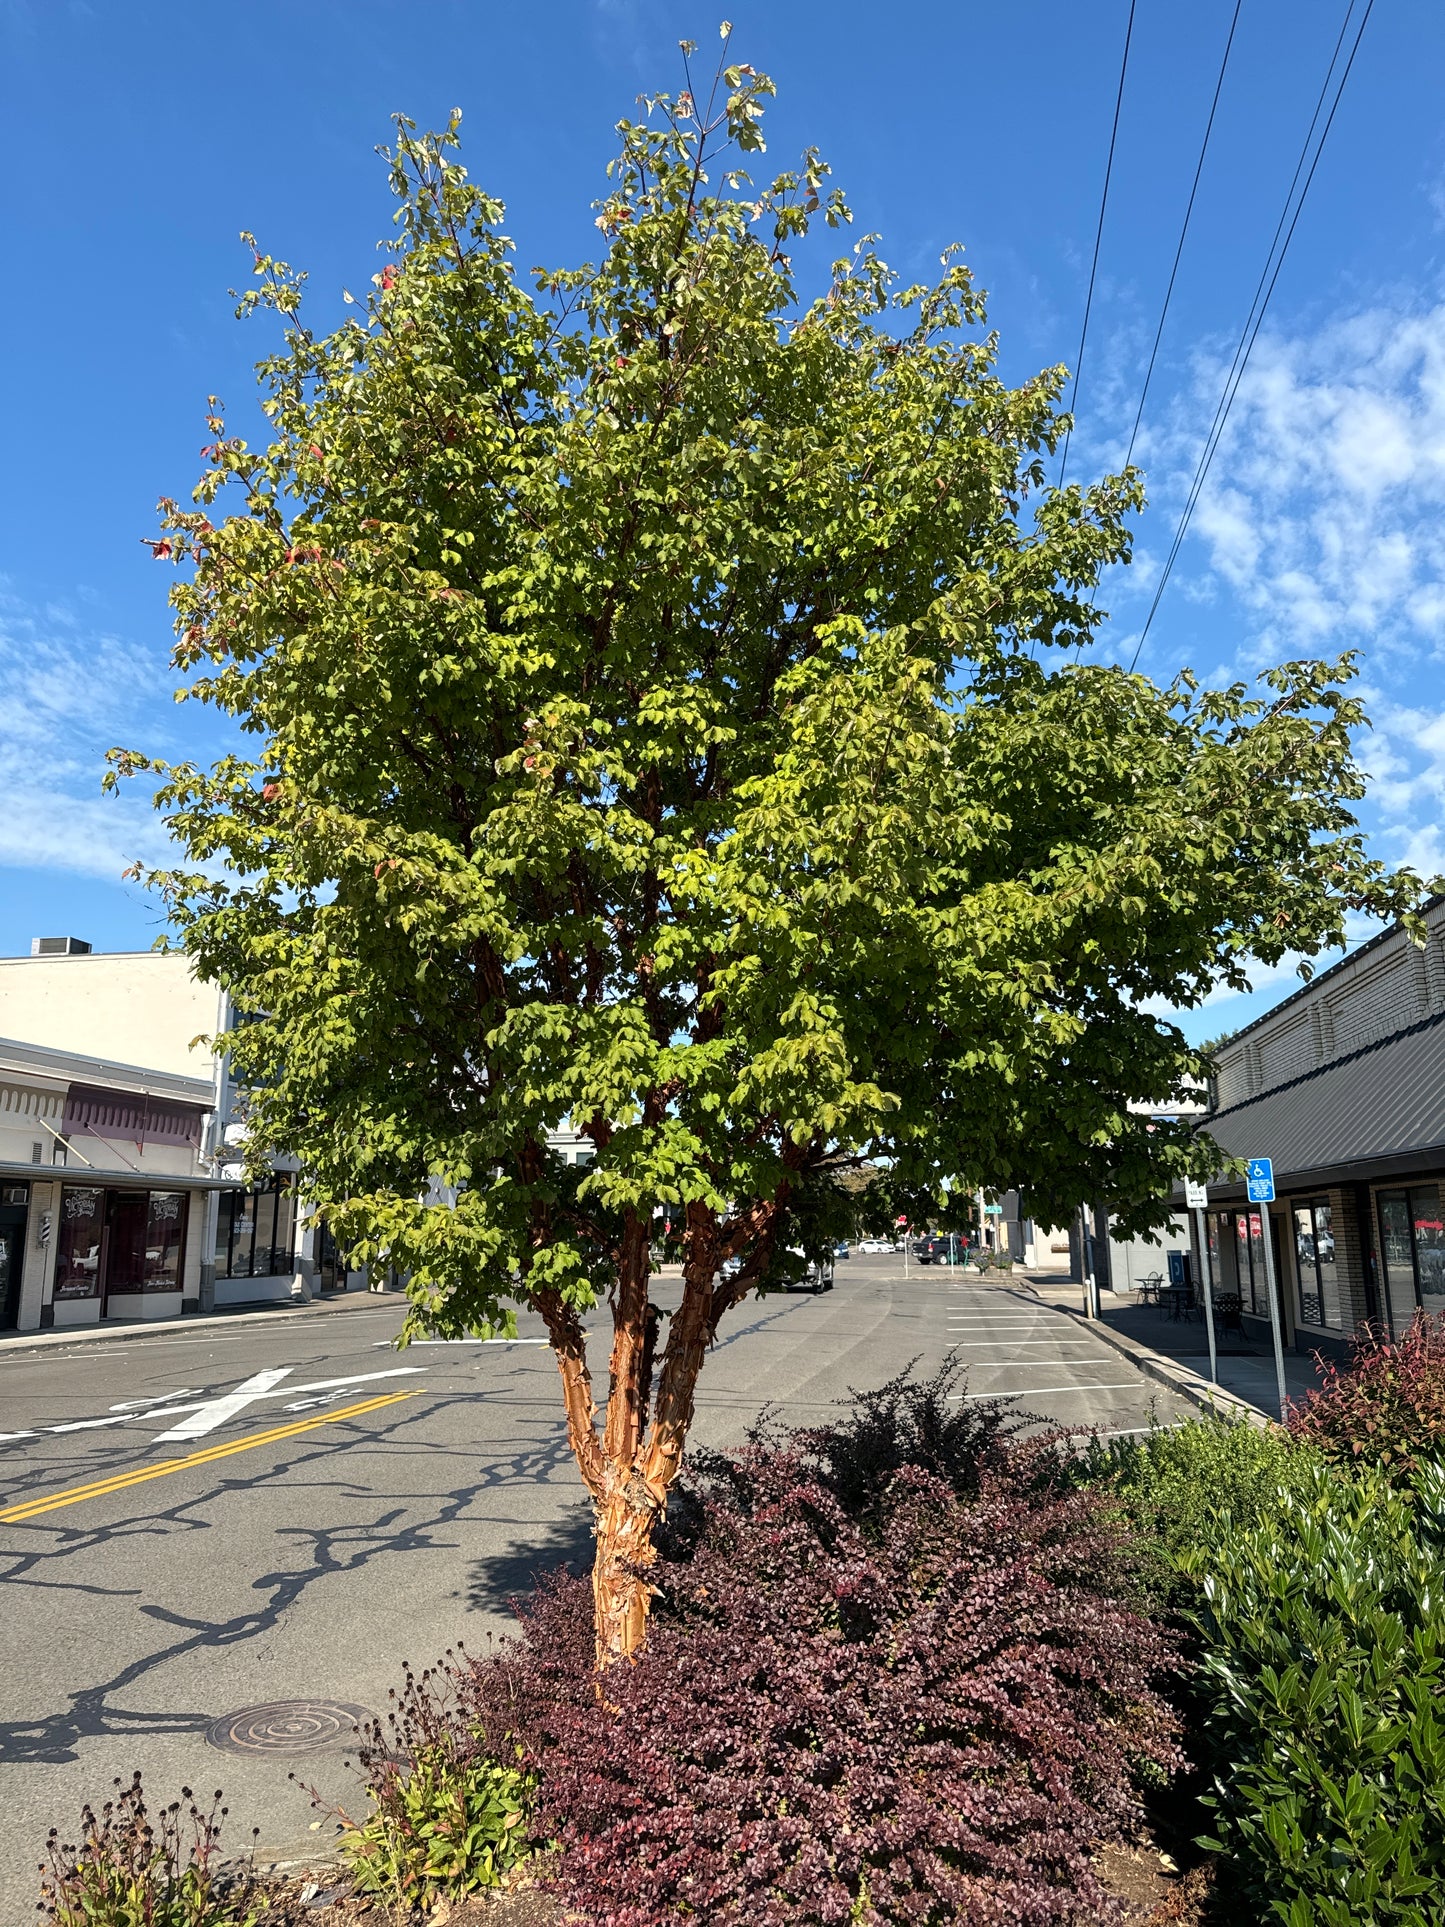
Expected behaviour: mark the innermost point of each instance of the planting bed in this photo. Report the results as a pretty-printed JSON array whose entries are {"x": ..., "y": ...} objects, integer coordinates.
[{"x": 917, "y": 1668}]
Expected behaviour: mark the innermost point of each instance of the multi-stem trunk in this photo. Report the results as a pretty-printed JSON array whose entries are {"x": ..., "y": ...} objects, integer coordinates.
[
  {"x": 629, "y": 1468},
  {"x": 626, "y": 1508}
]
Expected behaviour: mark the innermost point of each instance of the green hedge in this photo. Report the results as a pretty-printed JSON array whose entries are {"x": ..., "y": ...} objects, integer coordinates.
[
  {"x": 1188, "y": 1487},
  {"x": 1312, "y": 1598},
  {"x": 1323, "y": 1629}
]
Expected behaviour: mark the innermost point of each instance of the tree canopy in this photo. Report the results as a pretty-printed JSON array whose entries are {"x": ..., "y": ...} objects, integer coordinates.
[{"x": 673, "y": 705}]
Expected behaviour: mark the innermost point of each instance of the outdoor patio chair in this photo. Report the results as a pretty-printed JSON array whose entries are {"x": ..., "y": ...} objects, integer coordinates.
[{"x": 1227, "y": 1308}]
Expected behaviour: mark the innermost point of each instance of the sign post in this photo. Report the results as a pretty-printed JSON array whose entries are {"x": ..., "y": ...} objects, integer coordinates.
[
  {"x": 1259, "y": 1183},
  {"x": 1092, "y": 1307},
  {"x": 1196, "y": 1196}
]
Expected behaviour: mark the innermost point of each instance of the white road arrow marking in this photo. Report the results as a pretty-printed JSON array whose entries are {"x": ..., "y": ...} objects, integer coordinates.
[
  {"x": 216, "y": 1411},
  {"x": 133, "y": 1407},
  {"x": 207, "y": 1414},
  {"x": 205, "y": 1418},
  {"x": 357, "y": 1378}
]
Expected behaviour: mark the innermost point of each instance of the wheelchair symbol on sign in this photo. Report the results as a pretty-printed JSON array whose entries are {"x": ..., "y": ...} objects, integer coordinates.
[{"x": 1259, "y": 1180}]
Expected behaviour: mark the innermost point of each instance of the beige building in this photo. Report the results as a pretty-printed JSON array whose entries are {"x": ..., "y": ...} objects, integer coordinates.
[
  {"x": 120, "y": 1150},
  {"x": 1342, "y": 1087}
]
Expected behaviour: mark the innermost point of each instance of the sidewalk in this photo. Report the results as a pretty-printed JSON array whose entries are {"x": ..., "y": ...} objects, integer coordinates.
[
  {"x": 1246, "y": 1368},
  {"x": 258, "y": 1314}
]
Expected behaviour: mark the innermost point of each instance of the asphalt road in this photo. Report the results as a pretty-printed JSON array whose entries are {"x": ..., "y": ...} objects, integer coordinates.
[{"x": 206, "y": 1520}]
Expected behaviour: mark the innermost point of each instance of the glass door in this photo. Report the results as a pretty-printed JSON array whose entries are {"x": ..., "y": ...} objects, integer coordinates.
[
  {"x": 327, "y": 1269},
  {"x": 125, "y": 1245},
  {"x": 1397, "y": 1259},
  {"x": 14, "y": 1205},
  {"x": 12, "y": 1253}
]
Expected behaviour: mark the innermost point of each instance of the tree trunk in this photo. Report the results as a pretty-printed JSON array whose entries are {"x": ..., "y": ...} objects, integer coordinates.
[
  {"x": 626, "y": 1508},
  {"x": 627, "y": 1477},
  {"x": 621, "y": 1592}
]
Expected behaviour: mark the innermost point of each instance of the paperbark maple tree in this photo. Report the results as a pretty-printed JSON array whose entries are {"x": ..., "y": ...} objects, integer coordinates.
[{"x": 674, "y": 711}]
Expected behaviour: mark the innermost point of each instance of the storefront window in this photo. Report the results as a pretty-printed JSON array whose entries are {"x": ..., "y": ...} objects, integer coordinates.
[
  {"x": 77, "y": 1242},
  {"x": 1243, "y": 1267},
  {"x": 118, "y": 1241},
  {"x": 244, "y": 1236},
  {"x": 1221, "y": 1256},
  {"x": 225, "y": 1224},
  {"x": 256, "y": 1230},
  {"x": 1236, "y": 1256},
  {"x": 1412, "y": 1244},
  {"x": 146, "y": 1232},
  {"x": 265, "y": 1214},
  {"x": 1257, "y": 1273},
  {"x": 283, "y": 1258},
  {"x": 1429, "y": 1229},
  {"x": 165, "y": 1224},
  {"x": 1314, "y": 1249}
]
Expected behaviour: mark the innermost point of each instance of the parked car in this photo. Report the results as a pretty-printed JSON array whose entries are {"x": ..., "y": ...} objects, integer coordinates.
[
  {"x": 842, "y": 1249},
  {"x": 872, "y": 1246},
  {"x": 932, "y": 1251},
  {"x": 817, "y": 1274}
]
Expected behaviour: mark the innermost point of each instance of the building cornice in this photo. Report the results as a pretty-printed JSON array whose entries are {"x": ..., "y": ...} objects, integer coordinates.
[{"x": 71, "y": 1067}]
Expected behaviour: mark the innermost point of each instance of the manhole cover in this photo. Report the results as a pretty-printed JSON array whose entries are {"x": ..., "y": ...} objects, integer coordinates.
[{"x": 289, "y": 1726}]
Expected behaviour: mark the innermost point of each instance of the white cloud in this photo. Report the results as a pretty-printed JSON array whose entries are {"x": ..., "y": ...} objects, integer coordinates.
[
  {"x": 68, "y": 695},
  {"x": 1323, "y": 508}
]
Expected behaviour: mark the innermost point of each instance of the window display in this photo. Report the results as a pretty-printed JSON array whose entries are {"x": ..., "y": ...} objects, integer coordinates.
[{"x": 77, "y": 1242}]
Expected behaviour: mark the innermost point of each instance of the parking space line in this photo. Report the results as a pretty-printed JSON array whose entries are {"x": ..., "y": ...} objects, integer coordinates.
[
  {"x": 1027, "y": 1364},
  {"x": 100, "y": 1488},
  {"x": 1037, "y": 1391}
]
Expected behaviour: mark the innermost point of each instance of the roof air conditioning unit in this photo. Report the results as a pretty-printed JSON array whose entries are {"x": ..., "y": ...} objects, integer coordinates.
[{"x": 59, "y": 947}]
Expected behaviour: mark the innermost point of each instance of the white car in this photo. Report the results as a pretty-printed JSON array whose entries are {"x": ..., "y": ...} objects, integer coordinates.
[{"x": 875, "y": 1245}]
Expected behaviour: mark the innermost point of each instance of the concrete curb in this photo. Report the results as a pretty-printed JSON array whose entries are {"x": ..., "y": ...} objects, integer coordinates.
[
  {"x": 1164, "y": 1371},
  {"x": 208, "y": 1321}
]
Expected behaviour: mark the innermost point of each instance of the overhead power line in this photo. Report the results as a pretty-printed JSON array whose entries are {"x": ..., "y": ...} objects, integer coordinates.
[
  {"x": 1098, "y": 238},
  {"x": 1254, "y": 320},
  {"x": 1183, "y": 231}
]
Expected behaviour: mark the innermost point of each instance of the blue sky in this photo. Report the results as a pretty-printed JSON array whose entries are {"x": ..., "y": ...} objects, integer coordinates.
[{"x": 144, "y": 136}]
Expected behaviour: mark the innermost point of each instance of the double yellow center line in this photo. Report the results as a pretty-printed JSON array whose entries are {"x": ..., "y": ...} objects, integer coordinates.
[{"x": 99, "y": 1488}]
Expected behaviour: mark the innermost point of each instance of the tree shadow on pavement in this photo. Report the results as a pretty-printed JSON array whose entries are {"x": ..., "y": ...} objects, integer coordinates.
[
  {"x": 498, "y": 1578},
  {"x": 405, "y": 1521}
]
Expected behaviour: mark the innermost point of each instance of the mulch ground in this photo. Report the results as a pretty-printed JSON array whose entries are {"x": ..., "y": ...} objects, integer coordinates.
[
  {"x": 323, "y": 1899},
  {"x": 1153, "y": 1890}
]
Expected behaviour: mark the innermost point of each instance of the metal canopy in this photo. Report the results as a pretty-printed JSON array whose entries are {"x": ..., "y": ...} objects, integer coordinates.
[{"x": 1377, "y": 1112}]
